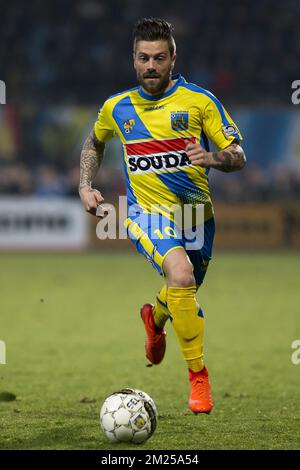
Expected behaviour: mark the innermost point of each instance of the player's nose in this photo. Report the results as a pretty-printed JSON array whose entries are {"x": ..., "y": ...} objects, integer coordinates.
[{"x": 150, "y": 65}]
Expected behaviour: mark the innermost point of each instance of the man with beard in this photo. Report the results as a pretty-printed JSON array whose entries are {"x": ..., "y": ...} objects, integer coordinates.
[{"x": 165, "y": 125}]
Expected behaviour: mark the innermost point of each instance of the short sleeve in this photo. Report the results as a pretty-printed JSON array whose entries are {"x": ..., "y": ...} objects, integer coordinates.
[
  {"x": 218, "y": 125},
  {"x": 104, "y": 126}
]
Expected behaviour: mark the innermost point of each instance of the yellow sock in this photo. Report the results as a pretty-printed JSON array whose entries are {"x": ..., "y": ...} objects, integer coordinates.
[
  {"x": 188, "y": 323},
  {"x": 160, "y": 310}
]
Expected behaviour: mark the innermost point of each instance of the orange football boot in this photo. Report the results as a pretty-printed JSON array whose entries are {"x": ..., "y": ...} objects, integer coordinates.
[
  {"x": 200, "y": 396},
  {"x": 155, "y": 345}
]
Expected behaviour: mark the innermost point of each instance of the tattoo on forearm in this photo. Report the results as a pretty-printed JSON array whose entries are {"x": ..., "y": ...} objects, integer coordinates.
[
  {"x": 90, "y": 160},
  {"x": 230, "y": 159}
]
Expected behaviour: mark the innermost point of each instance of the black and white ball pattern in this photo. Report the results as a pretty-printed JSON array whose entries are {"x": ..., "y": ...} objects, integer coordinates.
[{"x": 129, "y": 415}]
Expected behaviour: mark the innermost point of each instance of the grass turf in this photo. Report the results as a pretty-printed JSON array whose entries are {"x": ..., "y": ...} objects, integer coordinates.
[{"x": 73, "y": 336}]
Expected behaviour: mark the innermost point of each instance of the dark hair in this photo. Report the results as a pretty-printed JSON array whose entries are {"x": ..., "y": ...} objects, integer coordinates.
[{"x": 154, "y": 29}]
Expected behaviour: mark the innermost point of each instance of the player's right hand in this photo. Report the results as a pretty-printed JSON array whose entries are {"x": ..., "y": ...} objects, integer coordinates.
[{"x": 91, "y": 199}]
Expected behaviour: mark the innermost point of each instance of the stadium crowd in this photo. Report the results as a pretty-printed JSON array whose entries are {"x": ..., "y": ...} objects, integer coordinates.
[
  {"x": 252, "y": 185},
  {"x": 77, "y": 52}
]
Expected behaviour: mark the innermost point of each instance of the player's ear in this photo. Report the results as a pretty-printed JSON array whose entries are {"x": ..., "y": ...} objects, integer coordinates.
[
  {"x": 133, "y": 57},
  {"x": 173, "y": 61}
]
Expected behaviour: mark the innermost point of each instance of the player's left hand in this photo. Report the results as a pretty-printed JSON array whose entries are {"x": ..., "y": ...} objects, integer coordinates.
[{"x": 198, "y": 155}]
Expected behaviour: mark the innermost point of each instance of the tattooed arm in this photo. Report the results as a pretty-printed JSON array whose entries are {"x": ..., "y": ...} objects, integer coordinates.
[
  {"x": 90, "y": 161},
  {"x": 232, "y": 158}
]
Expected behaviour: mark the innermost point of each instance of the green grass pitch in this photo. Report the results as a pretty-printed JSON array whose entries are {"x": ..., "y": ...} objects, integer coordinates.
[{"x": 73, "y": 335}]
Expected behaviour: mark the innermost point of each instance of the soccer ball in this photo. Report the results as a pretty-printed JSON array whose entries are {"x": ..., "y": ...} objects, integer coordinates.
[{"x": 129, "y": 415}]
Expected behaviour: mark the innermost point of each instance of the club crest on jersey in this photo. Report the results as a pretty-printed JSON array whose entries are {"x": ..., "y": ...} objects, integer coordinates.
[
  {"x": 128, "y": 125},
  {"x": 179, "y": 121}
]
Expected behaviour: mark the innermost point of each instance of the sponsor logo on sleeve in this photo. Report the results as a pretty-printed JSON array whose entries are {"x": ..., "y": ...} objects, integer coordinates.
[{"x": 229, "y": 130}]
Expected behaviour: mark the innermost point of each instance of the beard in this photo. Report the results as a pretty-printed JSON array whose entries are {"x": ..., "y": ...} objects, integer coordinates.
[{"x": 155, "y": 86}]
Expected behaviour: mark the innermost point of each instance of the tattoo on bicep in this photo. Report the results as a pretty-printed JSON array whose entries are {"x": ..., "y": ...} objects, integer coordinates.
[
  {"x": 230, "y": 159},
  {"x": 90, "y": 160}
]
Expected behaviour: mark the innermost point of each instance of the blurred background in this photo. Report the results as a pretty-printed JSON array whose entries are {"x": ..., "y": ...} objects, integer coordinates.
[
  {"x": 61, "y": 59},
  {"x": 69, "y": 305}
]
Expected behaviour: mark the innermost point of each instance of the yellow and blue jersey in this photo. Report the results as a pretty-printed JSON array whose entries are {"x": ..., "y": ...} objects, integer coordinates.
[{"x": 153, "y": 131}]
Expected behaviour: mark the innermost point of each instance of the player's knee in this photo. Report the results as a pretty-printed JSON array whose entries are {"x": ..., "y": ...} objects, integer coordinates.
[{"x": 181, "y": 277}]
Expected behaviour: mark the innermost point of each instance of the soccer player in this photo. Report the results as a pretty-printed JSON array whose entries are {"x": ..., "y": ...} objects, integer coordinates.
[{"x": 165, "y": 125}]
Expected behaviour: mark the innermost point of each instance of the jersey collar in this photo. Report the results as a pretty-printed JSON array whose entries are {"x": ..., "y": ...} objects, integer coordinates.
[{"x": 179, "y": 81}]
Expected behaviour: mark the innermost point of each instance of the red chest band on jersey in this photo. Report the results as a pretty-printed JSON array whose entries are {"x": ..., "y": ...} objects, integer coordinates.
[{"x": 159, "y": 155}]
